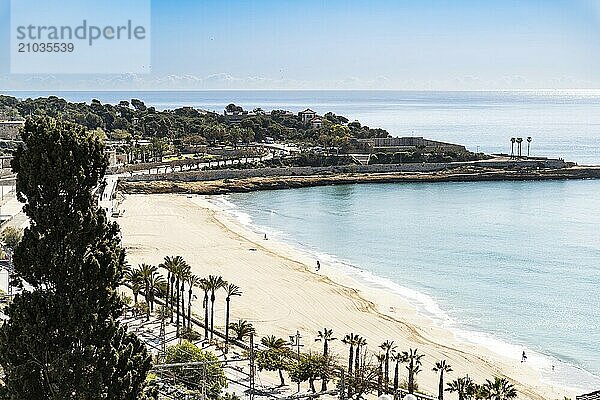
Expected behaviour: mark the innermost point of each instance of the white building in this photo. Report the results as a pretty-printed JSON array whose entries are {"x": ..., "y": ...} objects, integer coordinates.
[{"x": 307, "y": 115}]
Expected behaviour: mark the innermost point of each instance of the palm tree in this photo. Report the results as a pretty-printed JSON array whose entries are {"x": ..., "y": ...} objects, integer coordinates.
[
  {"x": 205, "y": 286},
  {"x": 193, "y": 281},
  {"x": 413, "y": 367},
  {"x": 167, "y": 266},
  {"x": 178, "y": 272},
  {"x": 380, "y": 360},
  {"x": 136, "y": 281},
  {"x": 326, "y": 336},
  {"x": 350, "y": 340},
  {"x": 157, "y": 286},
  {"x": 277, "y": 345},
  {"x": 397, "y": 358},
  {"x": 242, "y": 328},
  {"x": 358, "y": 346},
  {"x": 185, "y": 274},
  {"x": 528, "y": 144},
  {"x": 171, "y": 264},
  {"x": 512, "y": 147},
  {"x": 441, "y": 367},
  {"x": 230, "y": 290},
  {"x": 146, "y": 272},
  {"x": 215, "y": 283},
  {"x": 464, "y": 387},
  {"x": 499, "y": 389},
  {"x": 387, "y": 346},
  {"x": 519, "y": 141}
]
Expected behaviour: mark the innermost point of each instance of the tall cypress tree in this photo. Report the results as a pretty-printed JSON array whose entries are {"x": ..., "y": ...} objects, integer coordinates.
[{"x": 63, "y": 340}]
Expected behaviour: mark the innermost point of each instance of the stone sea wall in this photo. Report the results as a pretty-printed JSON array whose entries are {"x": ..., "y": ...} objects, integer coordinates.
[{"x": 212, "y": 175}]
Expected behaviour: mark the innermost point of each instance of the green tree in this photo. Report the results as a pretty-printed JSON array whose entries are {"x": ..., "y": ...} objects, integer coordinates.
[
  {"x": 209, "y": 376},
  {"x": 134, "y": 278},
  {"x": 230, "y": 290},
  {"x": 274, "y": 357},
  {"x": 147, "y": 272},
  {"x": 359, "y": 344},
  {"x": 169, "y": 264},
  {"x": 215, "y": 283},
  {"x": 414, "y": 367},
  {"x": 205, "y": 286},
  {"x": 380, "y": 361},
  {"x": 361, "y": 382},
  {"x": 242, "y": 329},
  {"x": 389, "y": 348},
  {"x": 180, "y": 272},
  {"x": 398, "y": 358},
  {"x": 499, "y": 389},
  {"x": 11, "y": 236},
  {"x": 464, "y": 387},
  {"x": 441, "y": 367},
  {"x": 309, "y": 368},
  {"x": 326, "y": 336},
  {"x": 193, "y": 281},
  {"x": 62, "y": 340},
  {"x": 350, "y": 340},
  {"x": 184, "y": 276}
]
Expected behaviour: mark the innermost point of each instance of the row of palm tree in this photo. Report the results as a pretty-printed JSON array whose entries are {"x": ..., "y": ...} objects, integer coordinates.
[
  {"x": 180, "y": 279},
  {"x": 497, "y": 389},
  {"x": 519, "y": 141},
  {"x": 147, "y": 280}
]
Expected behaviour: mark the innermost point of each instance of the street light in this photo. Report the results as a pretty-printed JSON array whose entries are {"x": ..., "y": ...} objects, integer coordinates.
[{"x": 295, "y": 341}]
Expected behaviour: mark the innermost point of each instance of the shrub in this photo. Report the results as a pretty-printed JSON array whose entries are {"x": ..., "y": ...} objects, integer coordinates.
[{"x": 210, "y": 376}]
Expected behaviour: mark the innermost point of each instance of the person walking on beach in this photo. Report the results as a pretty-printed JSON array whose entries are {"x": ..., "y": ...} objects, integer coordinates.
[
  {"x": 318, "y": 265},
  {"x": 523, "y": 357},
  {"x": 266, "y": 237}
]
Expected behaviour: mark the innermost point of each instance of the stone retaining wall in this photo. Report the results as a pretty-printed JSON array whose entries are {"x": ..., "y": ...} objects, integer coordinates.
[{"x": 211, "y": 175}]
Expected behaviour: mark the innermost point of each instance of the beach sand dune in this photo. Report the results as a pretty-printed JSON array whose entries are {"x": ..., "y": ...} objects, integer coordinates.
[{"x": 283, "y": 293}]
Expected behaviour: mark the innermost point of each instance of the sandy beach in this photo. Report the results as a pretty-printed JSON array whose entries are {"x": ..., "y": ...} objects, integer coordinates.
[{"x": 283, "y": 293}]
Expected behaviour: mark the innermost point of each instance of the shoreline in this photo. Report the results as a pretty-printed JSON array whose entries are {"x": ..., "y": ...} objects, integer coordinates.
[
  {"x": 250, "y": 184},
  {"x": 156, "y": 226},
  {"x": 424, "y": 305}
]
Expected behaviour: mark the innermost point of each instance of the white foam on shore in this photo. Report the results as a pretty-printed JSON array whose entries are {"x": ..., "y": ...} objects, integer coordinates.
[{"x": 564, "y": 374}]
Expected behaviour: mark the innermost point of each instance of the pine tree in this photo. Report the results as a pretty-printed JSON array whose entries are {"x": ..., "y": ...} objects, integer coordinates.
[{"x": 62, "y": 339}]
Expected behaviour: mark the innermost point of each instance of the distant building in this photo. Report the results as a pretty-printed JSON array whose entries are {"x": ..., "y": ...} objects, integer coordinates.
[
  {"x": 235, "y": 117},
  {"x": 590, "y": 396},
  {"x": 9, "y": 130},
  {"x": 307, "y": 115},
  {"x": 316, "y": 122},
  {"x": 398, "y": 144}
]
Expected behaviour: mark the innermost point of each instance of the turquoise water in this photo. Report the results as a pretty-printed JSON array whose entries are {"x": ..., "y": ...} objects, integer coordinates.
[{"x": 511, "y": 265}]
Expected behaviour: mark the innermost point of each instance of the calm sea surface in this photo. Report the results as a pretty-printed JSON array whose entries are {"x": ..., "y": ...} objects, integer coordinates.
[{"x": 511, "y": 265}]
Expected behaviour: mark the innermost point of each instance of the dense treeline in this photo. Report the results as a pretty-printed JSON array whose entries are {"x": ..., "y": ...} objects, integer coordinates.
[{"x": 134, "y": 120}]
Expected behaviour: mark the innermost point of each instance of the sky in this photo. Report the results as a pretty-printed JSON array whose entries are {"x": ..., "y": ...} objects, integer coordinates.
[{"x": 349, "y": 44}]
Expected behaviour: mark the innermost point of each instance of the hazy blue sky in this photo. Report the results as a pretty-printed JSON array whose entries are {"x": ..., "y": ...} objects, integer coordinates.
[{"x": 377, "y": 44}]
